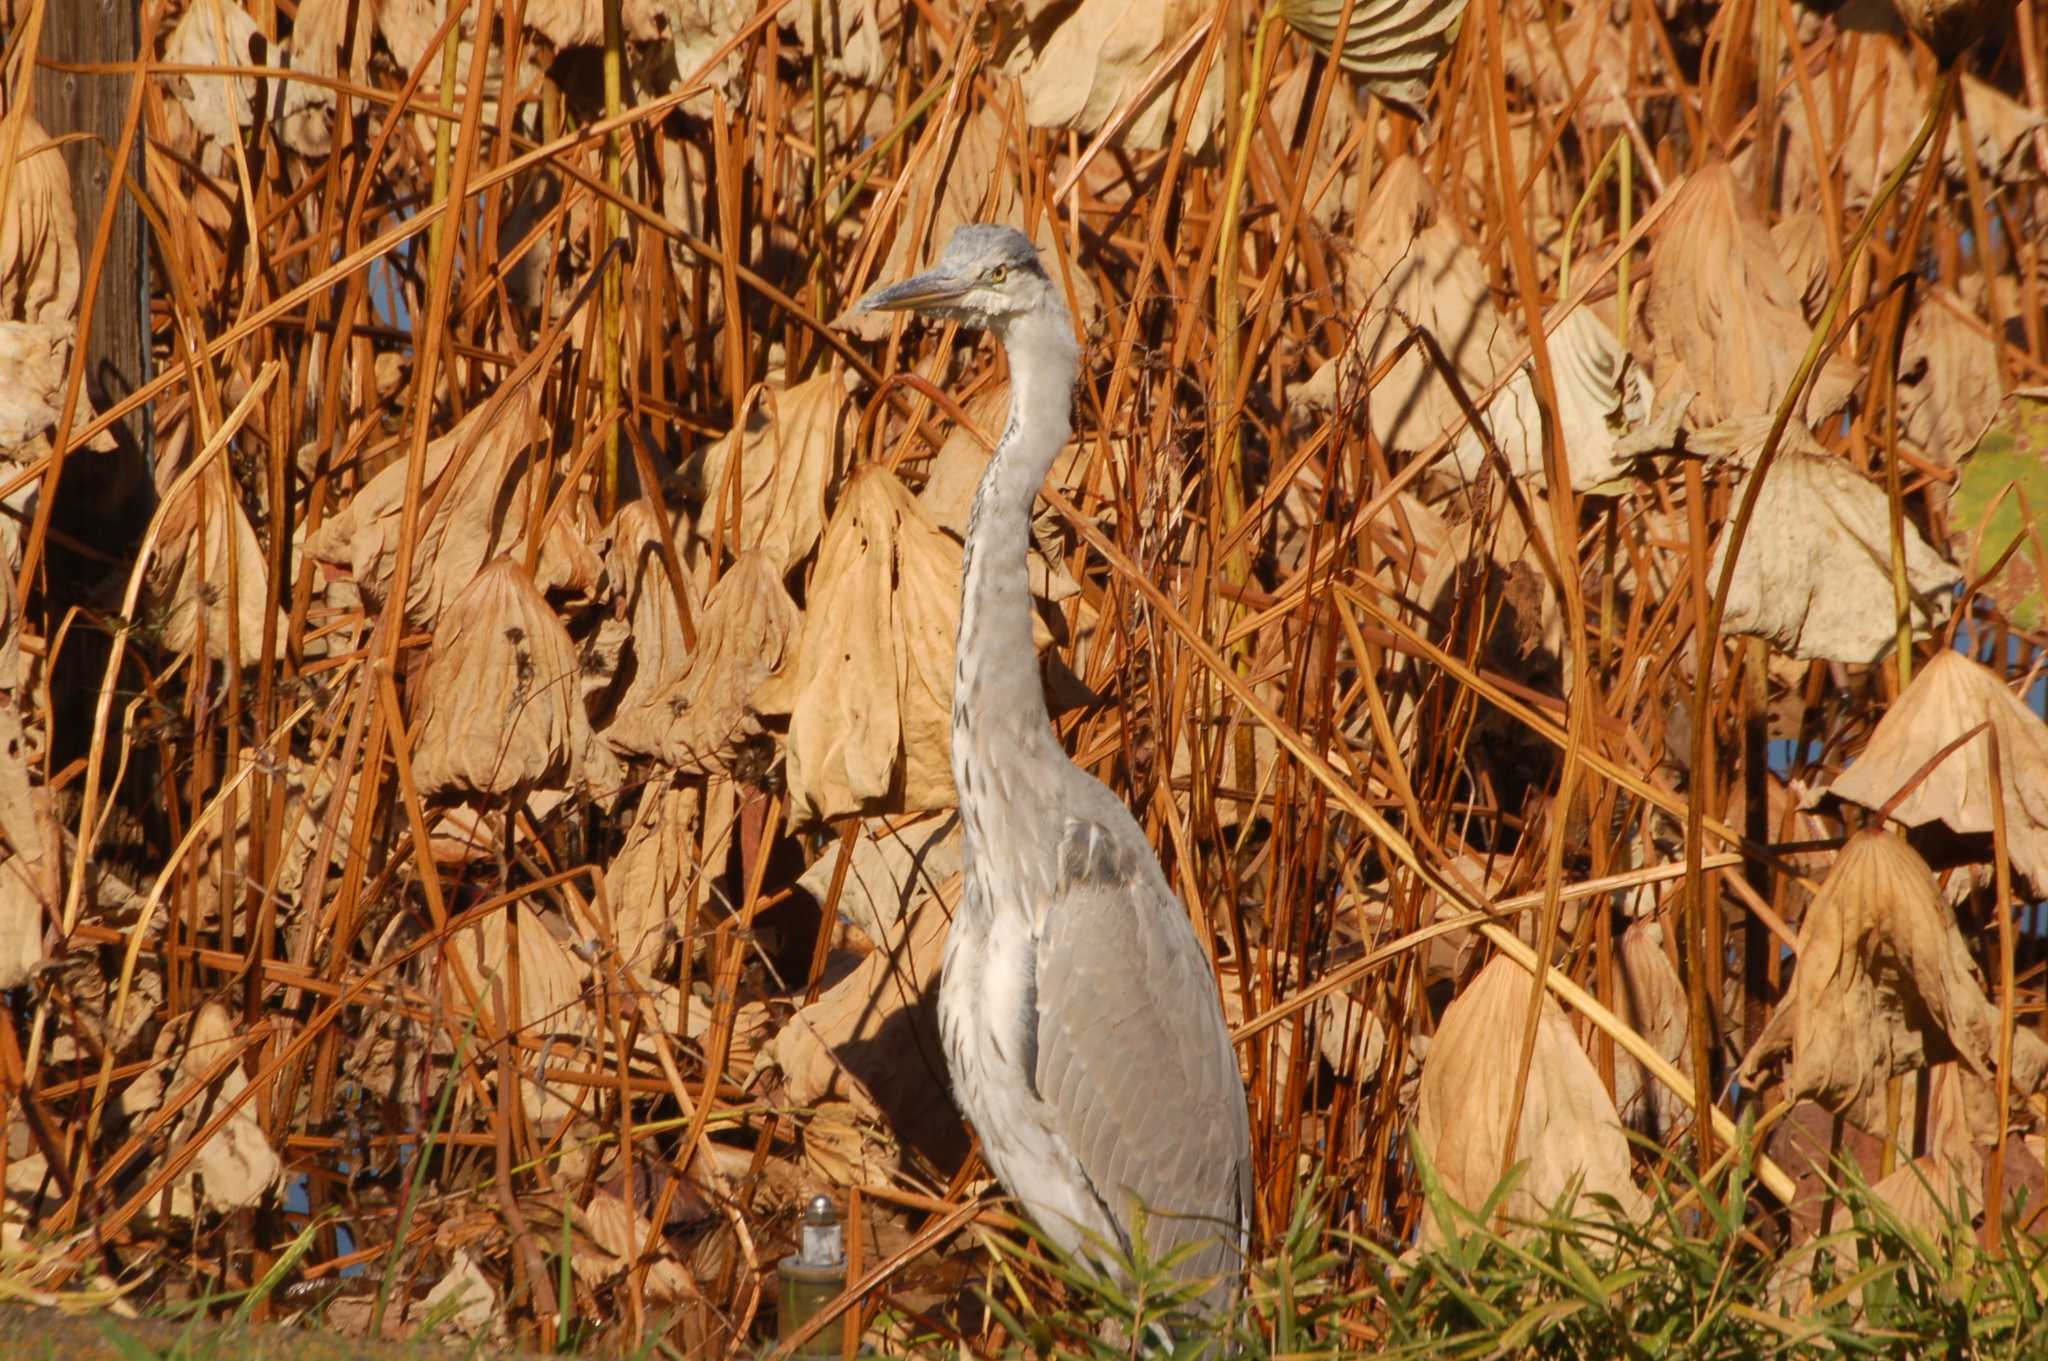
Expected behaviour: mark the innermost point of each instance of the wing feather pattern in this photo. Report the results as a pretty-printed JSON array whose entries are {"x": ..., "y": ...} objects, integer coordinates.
[{"x": 1134, "y": 1055}]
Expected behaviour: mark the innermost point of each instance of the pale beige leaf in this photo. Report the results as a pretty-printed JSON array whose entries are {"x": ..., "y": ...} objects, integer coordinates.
[
  {"x": 217, "y": 33},
  {"x": 776, "y": 468},
  {"x": 619, "y": 1235},
  {"x": 306, "y": 109},
  {"x": 842, "y": 1148},
  {"x": 1802, "y": 241},
  {"x": 648, "y": 882},
  {"x": 654, "y": 655},
  {"x": 467, "y": 1297},
  {"x": 1721, "y": 307},
  {"x": 22, "y": 920},
  {"x": 1410, "y": 269},
  {"x": 1329, "y": 191},
  {"x": 1392, "y": 45},
  {"x": 872, "y": 1039},
  {"x": 1869, "y": 108},
  {"x": 1884, "y": 986},
  {"x": 747, "y": 644},
  {"x": 870, "y": 728},
  {"x": 1949, "y": 696},
  {"x": 1651, "y": 999},
  {"x": 235, "y": 1168},
  {"x": 551, "y": 978},
  {"x": 488, "y": 459},
  {"x": 1100, "y": 54},
  {"x": 497, "y": 708},
  {"x": 889, "y": 869},
  {"x": 1553, "y": 60},
  {"x": 211, "y": 576},
  {"x": 1949, "y": 386},
  {"x": 39, "y": 253},
  {"x": 1815, "y": 576},
  {"x": 1569, "y": 1130},
  {"x": 1600, "y": 395}
]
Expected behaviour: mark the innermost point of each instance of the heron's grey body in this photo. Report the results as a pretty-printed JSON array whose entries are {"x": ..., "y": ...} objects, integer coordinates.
[{"x": 1080, "y": 1018}]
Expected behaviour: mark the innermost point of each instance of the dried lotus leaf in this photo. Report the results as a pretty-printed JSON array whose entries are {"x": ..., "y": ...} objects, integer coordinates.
[
  {"x": 551, "y": 979},
  {"x": 217, "y": 33},
  {"x": 1721, "y": 307},
  {"x": 1884, "y": 986},
  {"x": 1652, "y": 1001},
  {"x": 1552, "y": 59},
  {"x": 1599, "y": 397},
  {"x": 1950, "y": 696},
  {"x": 870, "y": 728},
  {"x": 747, "y": 640},
  {"x": 39, "y": 260},
  {"x": 211, "y": 575},
  {"x": 1569, "y": 1131},
  {"x": 486, "y": 462},
  {"x": 1815, "y": 576},
  {"x": 235, "y": 1168},
  {"x": 1949, "y": 385},
  {"x": 1099, "y": 55},
  {"x": 657, "y": 657},
  {"x": 1411, "y": 269},
  {"x": 497, "y": 708},
  {"x": 776, "y": 466},
  {"x": 648, "y": 883},
  {"x": 1394, "y": 46}
]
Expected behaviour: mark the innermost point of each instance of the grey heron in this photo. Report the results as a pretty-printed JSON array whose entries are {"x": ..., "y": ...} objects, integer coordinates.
[{"x": 1081, "y": 1021}]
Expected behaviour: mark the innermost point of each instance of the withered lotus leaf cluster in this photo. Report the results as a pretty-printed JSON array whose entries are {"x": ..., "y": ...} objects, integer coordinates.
[{"x": 499, "y": 671}]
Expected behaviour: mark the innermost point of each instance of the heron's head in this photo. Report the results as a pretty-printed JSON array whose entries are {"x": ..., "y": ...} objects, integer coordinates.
[{"x": 986, "y": 276}]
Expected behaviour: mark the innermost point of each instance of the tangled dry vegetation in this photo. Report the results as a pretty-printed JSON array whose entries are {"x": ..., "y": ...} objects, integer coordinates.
[{"x": 480, "y": 817}]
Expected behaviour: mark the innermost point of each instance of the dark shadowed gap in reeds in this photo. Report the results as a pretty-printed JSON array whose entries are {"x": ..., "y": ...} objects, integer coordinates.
[{"x": 476, "y": 852}]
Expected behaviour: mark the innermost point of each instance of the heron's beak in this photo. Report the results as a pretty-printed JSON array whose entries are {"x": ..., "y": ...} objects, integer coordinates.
[{"x": 915, "y": 293}]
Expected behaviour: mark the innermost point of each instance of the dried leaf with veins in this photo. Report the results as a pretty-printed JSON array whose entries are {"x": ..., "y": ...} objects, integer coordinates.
[
  {"x": 1410, "y": 268},
  {"x": 1099, "y": 55},
  {"x": 482, "y": 472},
  {"x": 747, "y": 642},
  {"x": 465, "y": 1300},
  {"x": 1393, "y": 46},
  {"x": 30, "y": 877},
  {"x": 219, "y": 106},
  {"x": 844, "y": 1147},
  {"x": 1651, "y": 1000},
  {"x": 655, "y": 657},
  {"x": 776, "y": 467},
  {"x": 1569, "y": 1132},
  {"x": 872, "y": 1040},
  {"x": 1949, "y": 696},
  {"x": 236, "y": 1168},
  {"x": 39, "y": 254},
  {"x": 648, "y": 882},
  {"x": 618, "y": 1236},
  {"x": 870, "y": 727},
  {"x": 1802, "y": 242},
  {"x": 889, "y": 870},
  {"x": 1884, "y": 986},
  {"x": 1721, "y": 308},
  {"x": 1870, "y": 106},
  {"x": 1599, "y": 397},
  {"x": 1814, "y": 576},
  {"x": 497, "y": 708},
  {"x": 551, "y": 979},
  {"x": 1555, "y": 59},
  {"x": 1948, "y": 375},
  {"x": 210, "y": 575},
  {"x": 34, "y": 360}
]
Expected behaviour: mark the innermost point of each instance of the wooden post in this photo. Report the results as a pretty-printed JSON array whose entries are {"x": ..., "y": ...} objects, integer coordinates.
[{"x": 117, "y": 351}]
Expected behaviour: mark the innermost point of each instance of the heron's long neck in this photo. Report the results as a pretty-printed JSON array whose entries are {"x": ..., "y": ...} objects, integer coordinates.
[{"x": 999, "y": 716}]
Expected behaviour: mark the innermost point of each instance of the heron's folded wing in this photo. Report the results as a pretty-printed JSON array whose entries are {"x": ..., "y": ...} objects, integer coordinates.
[{"x": 1134, "y": 1055}]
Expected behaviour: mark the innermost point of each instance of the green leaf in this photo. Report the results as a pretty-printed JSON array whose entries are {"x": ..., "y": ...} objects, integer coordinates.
[{"x": 2001, "y": 495}]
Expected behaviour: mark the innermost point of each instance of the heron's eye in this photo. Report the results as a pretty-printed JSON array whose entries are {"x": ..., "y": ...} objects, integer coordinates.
[{"x": 997, "y": 273}]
